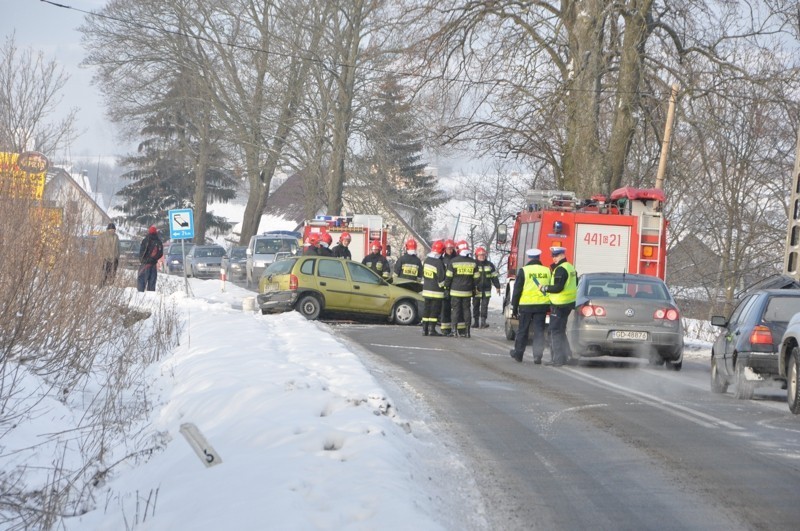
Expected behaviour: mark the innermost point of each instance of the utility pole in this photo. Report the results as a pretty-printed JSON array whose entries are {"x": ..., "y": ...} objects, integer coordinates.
[
  {"x": 792, "y": 250},
  {"x": 662, "y": 163}
]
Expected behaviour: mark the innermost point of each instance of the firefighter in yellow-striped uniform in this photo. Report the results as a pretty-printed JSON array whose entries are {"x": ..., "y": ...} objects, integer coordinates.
[
  {"x": 461, "y": 277},
  {"x": 446, "y": 316},
  {"x": 487, "y": 278},
  {"x": 562, "y": 291},
  {"x": 433, "y": 280},
  {"x": 530, "y": 305}
]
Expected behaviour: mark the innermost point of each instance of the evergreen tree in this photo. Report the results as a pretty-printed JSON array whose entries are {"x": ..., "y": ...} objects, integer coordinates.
[
  {"x": 396, "y": 155},
  {"x": 163, "y": 174}
]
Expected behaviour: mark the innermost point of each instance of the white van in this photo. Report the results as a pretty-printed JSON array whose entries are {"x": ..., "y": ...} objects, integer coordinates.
[{"x": 264, "y": 249}]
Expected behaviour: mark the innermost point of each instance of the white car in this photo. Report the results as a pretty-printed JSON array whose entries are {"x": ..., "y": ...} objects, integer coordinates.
[{"x": 789, "y": 362}]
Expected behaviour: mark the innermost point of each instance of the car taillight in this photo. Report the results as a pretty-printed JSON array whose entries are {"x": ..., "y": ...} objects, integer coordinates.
[
  {"x": 761, "y": 335},
  {"x": 292, "y": 282},
  {"x": 589, "y": 310},
  {"x": 670, "y": 314}
]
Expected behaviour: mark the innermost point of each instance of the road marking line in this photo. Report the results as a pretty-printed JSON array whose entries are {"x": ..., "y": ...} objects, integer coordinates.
[
  {"x": 685, "y": 412},
  {"x": 406, "y": 347}
]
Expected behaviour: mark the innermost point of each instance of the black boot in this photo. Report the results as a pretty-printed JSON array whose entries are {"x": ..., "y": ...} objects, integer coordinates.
[
  {"x": 476, "y": 324},
  {"x": 484, "y": 324},
  {"x": 425, "y": 328},
  {"x": 432, "y": 331}
]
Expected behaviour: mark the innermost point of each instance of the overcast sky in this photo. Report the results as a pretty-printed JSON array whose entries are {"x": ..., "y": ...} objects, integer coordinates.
[{"x": 53, "y": 30}]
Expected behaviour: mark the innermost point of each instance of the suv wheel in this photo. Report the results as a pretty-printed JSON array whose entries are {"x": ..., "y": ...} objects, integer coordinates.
[
  {"x": 309, "y": 307},
  {"x": 744, "y": 388},
  {"x": 792, "y": 389},
  {"x": 718, "y": 384},
  {"x": 405, "y": 313}
]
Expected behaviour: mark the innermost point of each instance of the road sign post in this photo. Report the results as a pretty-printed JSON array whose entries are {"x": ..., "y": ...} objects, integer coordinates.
[{"x": 181, "y": 224}]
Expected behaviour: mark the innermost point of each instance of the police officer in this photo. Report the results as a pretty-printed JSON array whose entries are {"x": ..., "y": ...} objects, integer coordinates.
[
  {"x": 376, "y": 261},
  {"x": 409, "y": 265},
  {"x": 530, "y": 304},
  {"x": 460, "y": 280},
  {"x": 561, "y": 290},
  {"x": 487, "y": 277},
  {"x": 342, "y": 250},
  {"x": 444, "y": 319},
  {"x": 433, "y": 282}
]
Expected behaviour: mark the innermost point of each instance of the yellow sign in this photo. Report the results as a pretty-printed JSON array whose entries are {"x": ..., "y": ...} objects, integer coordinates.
[{"x": 22, "y": 175}]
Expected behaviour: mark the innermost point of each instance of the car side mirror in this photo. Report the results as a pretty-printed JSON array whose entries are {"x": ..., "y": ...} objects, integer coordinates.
[
  {"x": 719, "y": 320},
  {"x": 248, "y": 251},
  {"x": 502, "y": 233}
]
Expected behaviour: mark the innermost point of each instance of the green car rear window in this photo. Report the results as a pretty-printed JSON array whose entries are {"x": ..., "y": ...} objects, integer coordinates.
[{"x": 281, "y": 267}]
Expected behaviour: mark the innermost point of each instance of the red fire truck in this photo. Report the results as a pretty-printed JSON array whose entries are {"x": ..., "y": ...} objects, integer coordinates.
[
  {"x": 625, "y": 232},
  {"x": 363, "y": 229}
]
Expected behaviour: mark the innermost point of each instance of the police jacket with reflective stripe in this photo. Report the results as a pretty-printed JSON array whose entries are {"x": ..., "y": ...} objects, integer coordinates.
[
  {"x": 564, "y": 288},
  {"x": 527, "y": 296}
]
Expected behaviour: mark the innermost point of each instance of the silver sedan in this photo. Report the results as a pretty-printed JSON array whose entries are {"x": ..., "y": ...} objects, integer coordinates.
[{"x": 618, "y": 314}]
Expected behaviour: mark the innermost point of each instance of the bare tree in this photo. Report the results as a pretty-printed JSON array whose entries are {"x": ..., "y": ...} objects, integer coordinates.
[
  {"x": 575, "y": 84},
  {"x": 30, "y": 98}
]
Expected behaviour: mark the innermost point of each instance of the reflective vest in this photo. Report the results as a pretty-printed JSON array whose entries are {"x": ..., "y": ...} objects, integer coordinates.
[
  {"x": 566, "y": 295},
  {"x": 536, "y": 275}
]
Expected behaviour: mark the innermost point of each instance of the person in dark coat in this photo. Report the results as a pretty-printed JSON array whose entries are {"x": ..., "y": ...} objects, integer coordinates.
[
  {"x": 342, "y": 249},
  {"x": 460, "y": 280},
  {"x": 561, "y": 291},
  {"x": 409, "y": 266},
  {"x": 445, "y": 318},
  {"x": 150, "y": 251},
  {"x": 377, "y": 262},
  {"x": 487, "y": 278},
  {"x": 530, "y": 305},
  {"x": 433, "y": 283}
]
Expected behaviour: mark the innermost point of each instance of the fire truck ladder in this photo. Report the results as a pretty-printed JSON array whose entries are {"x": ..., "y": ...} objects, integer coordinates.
[{"x": 651, "y": 230}]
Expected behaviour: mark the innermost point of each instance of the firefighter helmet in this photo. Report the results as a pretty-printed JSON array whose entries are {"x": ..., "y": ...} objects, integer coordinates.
[
  {"x": 438, "y": 247},
  {"x": 313, "y": 238},
  {"x": 462, "y": 245},
  {"x": 411, "y": 245},
  {"x": 327, "y": 238},
  {"x": 479, "y": 250},
  {"x": 345, "y": 235},
  {"x": 375, "y": 245},
  {"x": 449, "y": 244}
]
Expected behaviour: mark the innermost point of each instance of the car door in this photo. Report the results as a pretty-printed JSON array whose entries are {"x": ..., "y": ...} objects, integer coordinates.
[
  {"x": 332, "y": 282},
  {"x": 370, "y": 294},
  {"x": 739, "y": 324}
]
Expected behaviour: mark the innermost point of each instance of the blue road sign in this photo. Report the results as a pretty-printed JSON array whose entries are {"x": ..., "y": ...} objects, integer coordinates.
[{"x": 181, "y": 224}]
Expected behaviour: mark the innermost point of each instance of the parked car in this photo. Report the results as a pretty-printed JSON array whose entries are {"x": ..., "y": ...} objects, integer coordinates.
[
  {"x": 313, "y": 285},
  {"x": 789, "y": 362},
  {"x": 746, "y": 351},
  {"x": 264, "y": 249},
  {"x": 236, "y": 263},
  {"x": 618, "y": 314},
  {"x": 172, "y": 261},
  {"x": 129, "y": 254},
  {"x": 204, "y": 261}
]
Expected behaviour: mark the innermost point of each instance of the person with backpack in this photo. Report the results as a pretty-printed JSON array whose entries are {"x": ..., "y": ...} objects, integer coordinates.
[{"x": 150, "y": 251}]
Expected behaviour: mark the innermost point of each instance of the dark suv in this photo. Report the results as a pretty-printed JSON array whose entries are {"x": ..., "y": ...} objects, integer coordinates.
[{"x": 746, "y": 351}]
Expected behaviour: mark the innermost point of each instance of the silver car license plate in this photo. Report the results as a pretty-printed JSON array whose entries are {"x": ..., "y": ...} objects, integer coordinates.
[{"x": 626, "y": 334}]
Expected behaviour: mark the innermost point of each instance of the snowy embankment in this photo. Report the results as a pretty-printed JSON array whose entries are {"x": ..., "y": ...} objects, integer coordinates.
[{"x": 303, "y": 435}]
